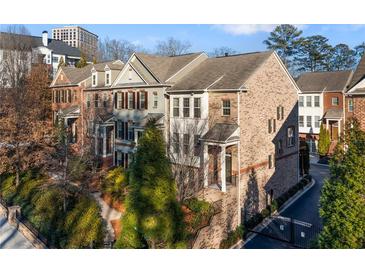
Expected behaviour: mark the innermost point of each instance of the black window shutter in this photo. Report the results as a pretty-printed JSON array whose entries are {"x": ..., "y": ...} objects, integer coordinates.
[
  {"x": 126, "y": 131},
  {"x": 282, "y": 112},
  {"x": 278, "y": 113},
  {"x": 115, "y": 100},
  {"x": 115, "y": 158},
  {"x": 116, "y": 129}
]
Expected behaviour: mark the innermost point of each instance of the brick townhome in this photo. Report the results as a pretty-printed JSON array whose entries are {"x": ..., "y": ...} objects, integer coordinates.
[
  {"x": 321, "y": 101},
  {"x": 245, "y": 109},
  {"x": 242, "y": 109},
  {"x": 355, "y": 96}
]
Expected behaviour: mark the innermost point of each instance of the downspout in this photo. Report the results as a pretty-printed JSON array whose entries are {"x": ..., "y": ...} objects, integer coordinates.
[{"x": 239, "y": 158}]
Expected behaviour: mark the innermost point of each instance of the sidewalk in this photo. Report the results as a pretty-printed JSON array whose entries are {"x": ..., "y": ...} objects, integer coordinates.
[
  {"x": 11, "y": 238},
  {"x": 107, "y": 213}
]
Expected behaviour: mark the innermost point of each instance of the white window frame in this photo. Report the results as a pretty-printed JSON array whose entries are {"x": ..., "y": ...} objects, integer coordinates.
[
  {"x": 226, "y": 107},
  {"x": 317, "y": 122},
  {"x": 338, "y": 101},
  {"x": 350, "y": 105},
  {"x": 94, "y": 81},
  {"x": 319, "y": 101},
  {"x": 308, "y": 120},
  {"x": 155, "y": 99},
  {"x": 308, "y": 103},
  {"x": 108, "y": 80},
  {"x": 174, "y": 107},
  {"x": 301, "y": 101},
  {"x": 186, "y": 99}
]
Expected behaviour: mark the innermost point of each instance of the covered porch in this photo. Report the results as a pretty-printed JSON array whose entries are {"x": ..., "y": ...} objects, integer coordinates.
[
  {"x": 219, "y": 160},
  {"x": 333, "y": 119},
  {"x": 70, "y": 117}
]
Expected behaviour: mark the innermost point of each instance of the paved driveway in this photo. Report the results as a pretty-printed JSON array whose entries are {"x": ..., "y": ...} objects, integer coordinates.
[
  {"x": 306, "y": 209},
  {"x": 12, "y": 238}
]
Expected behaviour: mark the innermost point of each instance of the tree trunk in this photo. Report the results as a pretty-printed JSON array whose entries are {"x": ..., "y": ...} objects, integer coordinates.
[{"x": 17, "y": 166}]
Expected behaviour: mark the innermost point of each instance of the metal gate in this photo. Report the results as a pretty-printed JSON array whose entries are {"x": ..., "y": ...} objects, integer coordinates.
[{"x": 295, "y": 232}]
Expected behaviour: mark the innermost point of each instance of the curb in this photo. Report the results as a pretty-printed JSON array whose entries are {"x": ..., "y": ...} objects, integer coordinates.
[
  {"x": 266, "y": 221},
  {"x": 317, "y": 164}
]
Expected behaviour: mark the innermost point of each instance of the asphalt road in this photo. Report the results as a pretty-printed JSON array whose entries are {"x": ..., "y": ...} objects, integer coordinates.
[{"x": 305, "y": 209}]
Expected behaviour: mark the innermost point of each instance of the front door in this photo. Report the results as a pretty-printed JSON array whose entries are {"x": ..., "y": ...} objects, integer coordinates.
[
  {"x": 228, "y": 168},
  {"x": 334, "y": 131}
]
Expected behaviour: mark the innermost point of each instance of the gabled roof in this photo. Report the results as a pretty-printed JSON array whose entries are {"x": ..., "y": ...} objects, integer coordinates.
[
  {"x": 359, "y": 73},
  {"x": 333, "y": 114},
  {"x": 57, "y": 46},
  {"x": 113, "y": 65},
  {"x": 221, "y": 133},
  {"x": 226, "y": 72},
  {"x": 76, "y": 75},
  {"x": 163, "y": 67},
  {"x": 324, "y": 81}
]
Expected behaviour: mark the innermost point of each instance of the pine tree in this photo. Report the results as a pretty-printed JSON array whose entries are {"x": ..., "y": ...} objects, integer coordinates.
[
  {"x": 153, "y": 216},
  {"x": 324, "y": 141},
  {"x": 343, "y": 195},
  {"x": 61, "y": 63},
  {"x": 82, "y": 62},
  {"x": 285, "y": 39}
]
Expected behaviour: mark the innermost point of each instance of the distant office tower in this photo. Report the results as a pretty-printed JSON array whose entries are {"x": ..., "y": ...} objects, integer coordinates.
[{"x": 77, "y": 37}]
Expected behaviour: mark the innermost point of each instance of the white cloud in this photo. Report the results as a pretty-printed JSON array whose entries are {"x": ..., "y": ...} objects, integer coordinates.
[{"x": 247, "y": 29}]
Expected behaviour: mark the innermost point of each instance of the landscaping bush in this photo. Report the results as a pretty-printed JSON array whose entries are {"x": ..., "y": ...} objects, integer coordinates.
[
  {"x": 201, "y": 212},
  {"x": 232, "y": 238},
  {"x": 8, "y": 189},
  {"x": 83, "y": 225},
  {"x": 114, "y": 184}
]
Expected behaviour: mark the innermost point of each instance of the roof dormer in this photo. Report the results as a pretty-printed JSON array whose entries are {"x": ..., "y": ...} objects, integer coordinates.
[
  {"x": 94, "y": 77},
  {"x": 108, "y": 76}
]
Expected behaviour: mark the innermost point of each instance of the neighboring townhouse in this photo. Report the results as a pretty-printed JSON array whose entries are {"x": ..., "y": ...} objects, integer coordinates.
[
  {"x": 140, "y": 95},
  {"x": 67, "y": 97},
  {"x": 238, "y": 116},
  {"x": 321, "y": 102},
  {"x": 97, "y": 110},
  {"x": 232, "y": 120},
  {"x": 48, "y": 51},
  {"x": 355, "y": 96}
]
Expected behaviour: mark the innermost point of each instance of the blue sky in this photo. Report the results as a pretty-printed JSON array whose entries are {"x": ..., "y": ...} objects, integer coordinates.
[{"x": 242, "y": 38}]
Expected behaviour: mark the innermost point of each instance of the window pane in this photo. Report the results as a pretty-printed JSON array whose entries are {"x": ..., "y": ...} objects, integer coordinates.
[
  {"x": 197, "y": 107},
  {"x": 309, "y": 101},
  {"x": 316, "y": 101},
  {"x": 176, "y": 110},
  {"x": 309, "y": 121},
  {"x": 186, "y": 107}
]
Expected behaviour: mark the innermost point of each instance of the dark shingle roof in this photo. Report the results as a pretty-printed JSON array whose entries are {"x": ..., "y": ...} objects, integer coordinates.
[
  {"x": 58, "y": 47},
  {"x": 324, "y": 81},
  {"x": 359, "y": 73},
  {"x": 76, "y": 75},
  {"x": 163, "y": 67},
  {"x": 228, "y": 72},
  {"x": 333, "y": 113},
  {"x": 221, "y": 133}
]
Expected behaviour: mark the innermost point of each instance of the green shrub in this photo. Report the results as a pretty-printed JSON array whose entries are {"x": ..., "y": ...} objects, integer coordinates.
[
  {"x": 232, "y": 238},
  {"x": 115, "y": 184},
  {"x": 8, "y": 189},
  {"x": 202, "y": 211},
  {"x": 84, "y": 225}
]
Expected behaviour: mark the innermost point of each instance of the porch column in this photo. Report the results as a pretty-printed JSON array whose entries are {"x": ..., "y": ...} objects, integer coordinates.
[
  {"x": 327, "y": 124},
  {"x": 204, "y": 164},
  {"x": 104, "y": 141},
  {"x": 223, "y": 168},
  {"x": 339, "y": 128}
]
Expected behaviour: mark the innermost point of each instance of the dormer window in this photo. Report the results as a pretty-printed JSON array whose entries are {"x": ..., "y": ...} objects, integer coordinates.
[
  {"x": 107, "y": 78},
  {"x": 94, "y": 79}
]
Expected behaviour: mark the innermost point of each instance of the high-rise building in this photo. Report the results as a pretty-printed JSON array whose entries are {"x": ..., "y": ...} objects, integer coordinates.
[{"x": 77, "y": 37}]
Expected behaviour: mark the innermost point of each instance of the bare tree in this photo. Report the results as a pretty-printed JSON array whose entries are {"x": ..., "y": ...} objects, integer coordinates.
[
  {"x": 116, "y": 49},
  {"x": 222, "y": 51},
  {"x": 172, "y": 47},
  {"x": 25, "y": 101}
]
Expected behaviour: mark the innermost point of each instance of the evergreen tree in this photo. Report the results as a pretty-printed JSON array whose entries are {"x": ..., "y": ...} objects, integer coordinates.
[
  {"x": 61, "y": 63},
  {"x": 285, "y": 39},
  {"x": 343, "y": 196},
  {"x": 360, "y": 49},
  {"x": 153, "y": 216},
  {"x": 314, "y": 54},
  {"x": 82, "y": 62},
  {"x": 343, "y": 58},
  {"x": 324, "y": 141}
]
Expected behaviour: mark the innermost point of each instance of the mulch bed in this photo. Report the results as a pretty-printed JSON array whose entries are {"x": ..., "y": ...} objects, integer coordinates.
[{"x": 113, "y": 204}]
